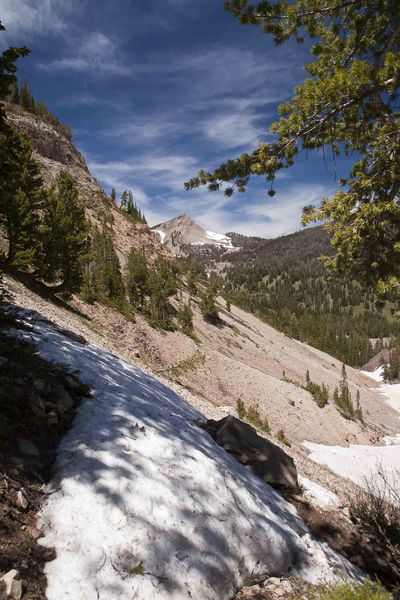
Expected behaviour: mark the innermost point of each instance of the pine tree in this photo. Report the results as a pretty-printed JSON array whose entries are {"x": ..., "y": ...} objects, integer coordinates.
[
  {"x": 185, "y": 319},
  {"x": 27, "y": 101},
  {"x": 136, "y": 278},
  {"x": 8, "y": 69},
  {"x": 113, "y": 195},
  {"x": 191, "y": 282},
  {"x": 64, "y": 232},
  {"x": 102, "y": 275},
  {"x": 124, "y": 200},
  {"x": 13, "y": 93},
  {"x": 20, "y": 196},
  {"x": 208, "y": 307},
  {"x": 162, "y": 284}
]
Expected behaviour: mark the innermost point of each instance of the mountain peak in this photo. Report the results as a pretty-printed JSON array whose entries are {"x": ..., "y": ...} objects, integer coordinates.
[{"x": 184, "y": 231}]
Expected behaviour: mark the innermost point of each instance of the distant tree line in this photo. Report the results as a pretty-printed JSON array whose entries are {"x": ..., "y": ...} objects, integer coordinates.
[{"x": 283, "y": 281}]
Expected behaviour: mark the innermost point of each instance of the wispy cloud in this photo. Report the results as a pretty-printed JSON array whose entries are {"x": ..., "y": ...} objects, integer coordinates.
[
  {"x": 97, "y": 55},
  {"x": 232, "y": 130},
  {"x": 36, "y": 17}
]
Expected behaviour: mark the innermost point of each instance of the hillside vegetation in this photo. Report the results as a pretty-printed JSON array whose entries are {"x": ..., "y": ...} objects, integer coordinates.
[{"x": 284, "y": 282}]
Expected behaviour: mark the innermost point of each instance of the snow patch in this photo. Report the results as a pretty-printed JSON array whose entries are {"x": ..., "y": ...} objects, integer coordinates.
[
  {"x": 391, "y": 391},
  {"x": 318, "y": 494},
  {"x": 161, "y": 234},
  {"x": 219, "y": 239},
  {"x": 357, "y": 462},
  {"x": 144, "y": 504},
  {"x": 376, "y": 375}
]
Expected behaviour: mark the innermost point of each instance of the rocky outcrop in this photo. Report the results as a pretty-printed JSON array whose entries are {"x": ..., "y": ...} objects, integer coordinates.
[
  {"x": 55, "y": 152},
  {"x": 257, "y": 454}
]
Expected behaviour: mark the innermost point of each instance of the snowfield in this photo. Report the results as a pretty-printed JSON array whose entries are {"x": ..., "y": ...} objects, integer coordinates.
[
  {"x": 361, "y": 462},
  {"x": 145, "y": 505}
]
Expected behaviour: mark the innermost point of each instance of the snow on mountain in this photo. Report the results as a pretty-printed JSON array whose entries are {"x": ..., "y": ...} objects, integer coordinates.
[
  {"x": 144, "y": 504},
  {"x": 184, "y": 231}
]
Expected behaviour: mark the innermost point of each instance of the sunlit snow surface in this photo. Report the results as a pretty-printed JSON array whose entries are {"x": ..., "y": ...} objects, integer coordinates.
[
  {"x": 359, "y": 463},
  {"x": 160, "y": 513},
  {"x": 161, "y": 234},
  {"x": 318, "y": 494},
  {"x": 218, "y": 239}
]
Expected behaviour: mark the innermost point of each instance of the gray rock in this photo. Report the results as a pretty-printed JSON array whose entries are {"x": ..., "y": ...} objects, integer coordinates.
[
  {"x": 37, "y": 406},
  {"x": 257, "y": 454},
  {"x": 21, "y": 501},
  {"x": 52, "y": 418},
  {"x": 346, "y": 513},
  {"x": 72, "y": 383},
  {"x": 39, "y": 385},
  {"x": 287, "y": 587},
  {"x": 12, "y": 585},
  {"x": 34, "y": 532},
  {"x": 28, "y": 448},
  {"x": 64, "y": 403}
]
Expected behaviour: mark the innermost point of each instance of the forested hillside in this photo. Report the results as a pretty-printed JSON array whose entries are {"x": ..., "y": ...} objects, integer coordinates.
[{"x": 284, "y": 282}]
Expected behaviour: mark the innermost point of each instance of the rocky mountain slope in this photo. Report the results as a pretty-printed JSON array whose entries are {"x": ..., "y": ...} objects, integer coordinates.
[
  {"x": 242, "y": 357},
  {"x": 182, "y": 234},
  {"x": 53, "y": 151},
  {"x": 181, "y": 379}
]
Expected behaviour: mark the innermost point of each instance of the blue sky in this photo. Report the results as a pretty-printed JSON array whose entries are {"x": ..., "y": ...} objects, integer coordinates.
[{"x": 155, "y": 90}]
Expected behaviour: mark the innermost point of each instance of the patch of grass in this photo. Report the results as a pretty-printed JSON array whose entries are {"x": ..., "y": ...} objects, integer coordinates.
[
  {"x": 281, "y": 437},
  {"x": 137, "y": 569},
  {"x": 369, "y": 590},
  {"x": 188, "y": 364}
]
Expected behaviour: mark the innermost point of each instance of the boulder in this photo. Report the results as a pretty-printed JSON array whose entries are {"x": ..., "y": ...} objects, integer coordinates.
[
  {"x": 39, "y": 385},
  {"x": 37, "y": 406},
  {"x": 257, "y": 454},
  {"x": 12, "y": 585},
  {"x": 63, "y": 400},
  {"x": 28, "y": 448},
  {"x": 73, "y": 383}
]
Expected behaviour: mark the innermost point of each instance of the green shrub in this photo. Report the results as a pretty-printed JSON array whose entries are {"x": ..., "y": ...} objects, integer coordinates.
[
  {"x": 241, "y": 409},
  {"x": 281, "y": 437},
  {"x": 252, "y": 416},
  {"x": 343, "y": 400},
  {"x": 188, "y": 364},
  {"x": 369, "y": 590}
]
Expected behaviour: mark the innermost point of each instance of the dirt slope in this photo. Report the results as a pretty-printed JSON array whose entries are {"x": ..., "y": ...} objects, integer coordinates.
[{"x": 242, "y": 358}]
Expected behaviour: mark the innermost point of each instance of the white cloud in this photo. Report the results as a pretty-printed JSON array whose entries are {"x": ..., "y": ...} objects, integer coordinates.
[
  {"x": 98, "y": 55},
  {"x": 232, "y": 130},
  {"x": 136, "y": 131},
  {"x": 35, "y": 16}
]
